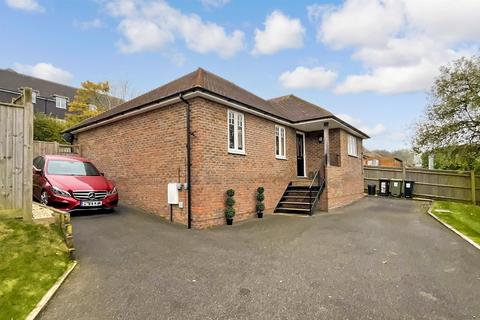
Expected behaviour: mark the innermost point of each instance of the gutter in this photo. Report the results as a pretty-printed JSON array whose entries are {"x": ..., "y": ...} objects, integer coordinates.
[{"x": 189, "y": 162}]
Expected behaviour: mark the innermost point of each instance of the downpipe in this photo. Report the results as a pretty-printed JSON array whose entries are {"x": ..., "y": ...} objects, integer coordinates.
[{"x": 189, "y": 162}]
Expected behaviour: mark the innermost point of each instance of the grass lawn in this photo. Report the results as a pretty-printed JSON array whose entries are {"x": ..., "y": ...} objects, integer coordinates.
[
  {"x": 32, "y": 258},
  {"x": 465, "y": 218}
]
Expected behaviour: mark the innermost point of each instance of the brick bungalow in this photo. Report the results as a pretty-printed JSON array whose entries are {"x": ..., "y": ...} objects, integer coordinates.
[{"x": 305, "y": 157}]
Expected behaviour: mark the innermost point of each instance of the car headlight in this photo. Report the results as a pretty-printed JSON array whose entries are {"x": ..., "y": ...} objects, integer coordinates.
[
  {"x": 113, "y": 191},
  {"x": 61, "y": 192}
]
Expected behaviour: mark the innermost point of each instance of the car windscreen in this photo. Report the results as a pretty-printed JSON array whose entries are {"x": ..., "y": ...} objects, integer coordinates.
[{"x": 71, "y": 168}]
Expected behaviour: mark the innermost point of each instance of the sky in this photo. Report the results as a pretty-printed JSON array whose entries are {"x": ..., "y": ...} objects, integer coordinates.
[{"x": 370, "y": 62}]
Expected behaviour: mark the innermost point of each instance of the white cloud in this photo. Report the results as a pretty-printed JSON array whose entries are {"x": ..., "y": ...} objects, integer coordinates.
[
  {"x": 95, "y": 23},
  {"x": 400, "y": 43},
  {"x": 214, "y": 3},
  {"x": 376, "y": 130},
  {"x": 26, "y": 5},
  {"x": 445, "y": 20},
  {"x": 303, "y": 78},
  {"x": 45, "y": 71},
  {"x": 152, "y": 25},
  {"x": 391, "y": 79},
  {"x": 281, "y": 32},
  {"x": 360, "y": 22}
]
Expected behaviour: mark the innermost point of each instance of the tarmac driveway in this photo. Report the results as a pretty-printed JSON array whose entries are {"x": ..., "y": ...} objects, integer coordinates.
[{"x": 375, "y": 259}]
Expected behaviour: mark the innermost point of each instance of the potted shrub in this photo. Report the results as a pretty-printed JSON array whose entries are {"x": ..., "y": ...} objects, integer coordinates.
[
  {"x": 230, "y": 202},
  {"x": 260, "y": 204}
]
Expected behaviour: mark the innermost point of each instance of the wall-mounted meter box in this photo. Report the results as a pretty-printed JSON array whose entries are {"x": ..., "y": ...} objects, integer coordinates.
[{"x": 172, "y": 193}]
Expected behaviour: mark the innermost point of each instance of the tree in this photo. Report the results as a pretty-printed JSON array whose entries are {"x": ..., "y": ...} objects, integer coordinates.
[
  {"x": 452, "y": 120},
  {"x": 91, "y": 99},
  {"x": 122, "y": 90},
  {"x": 454, "y": 158},
  {"x": 47, "y": 128}
]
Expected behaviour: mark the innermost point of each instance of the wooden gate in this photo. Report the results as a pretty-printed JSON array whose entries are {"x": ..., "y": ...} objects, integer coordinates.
[{"x": 16, "y": 138}]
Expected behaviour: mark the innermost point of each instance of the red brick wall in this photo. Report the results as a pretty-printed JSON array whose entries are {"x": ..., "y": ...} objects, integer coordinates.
[
  {"x": 344, "y": 183},
  {"x": 142, "y": 154},
  {"x": 314, "y": 151},
  {"x": 215, "y": 170}
]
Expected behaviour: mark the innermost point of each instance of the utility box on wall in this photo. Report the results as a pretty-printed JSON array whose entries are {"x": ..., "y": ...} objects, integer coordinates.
[{"x": 173, "y": 193}]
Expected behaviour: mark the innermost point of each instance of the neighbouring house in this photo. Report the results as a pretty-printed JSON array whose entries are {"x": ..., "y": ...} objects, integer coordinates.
[
  {"x": 380, "y": 160},
  {"x": 208, "y": 135},
  {"x": 47, "y": 97}
]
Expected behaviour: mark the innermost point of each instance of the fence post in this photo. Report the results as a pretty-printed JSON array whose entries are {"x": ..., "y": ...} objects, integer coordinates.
[
  {"x": 472, "y": 184},
  {"x": 27, "y": 153}
]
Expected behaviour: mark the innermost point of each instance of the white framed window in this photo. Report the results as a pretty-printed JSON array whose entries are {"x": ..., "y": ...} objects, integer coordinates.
[
  {"x": 34, "y": 96},
  {"x": 280, "y": 143},
  {"x": 61, "y": 102},
  {"x": 373, "y": 162},
  {"x": 352, "y": 146},
  {"x": 236, "y": 132}
]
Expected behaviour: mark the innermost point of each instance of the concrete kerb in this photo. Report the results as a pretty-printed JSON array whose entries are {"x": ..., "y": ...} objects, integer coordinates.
[
  {"x": 50, "y": 293},
  {"x": 464, "y": 237}
]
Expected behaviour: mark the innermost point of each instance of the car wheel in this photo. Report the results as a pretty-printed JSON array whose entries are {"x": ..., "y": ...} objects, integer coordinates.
[{"x": 44, "y": 198}]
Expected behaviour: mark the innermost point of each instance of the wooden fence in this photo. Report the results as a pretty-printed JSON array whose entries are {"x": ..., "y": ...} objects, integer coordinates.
[
  {"x": 43, "y": 147},
  {"x": 16, "y": 138},
  {"x": 435, "y": 184}
]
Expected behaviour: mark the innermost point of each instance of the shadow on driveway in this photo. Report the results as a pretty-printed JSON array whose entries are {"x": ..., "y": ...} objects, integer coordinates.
[{"x": 378, "y": 258}]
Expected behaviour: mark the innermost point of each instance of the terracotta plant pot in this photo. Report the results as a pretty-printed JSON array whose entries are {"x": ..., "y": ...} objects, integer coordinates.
[
  {"x": 260, "y": 214},
  {"x": 229, "y": 221}
]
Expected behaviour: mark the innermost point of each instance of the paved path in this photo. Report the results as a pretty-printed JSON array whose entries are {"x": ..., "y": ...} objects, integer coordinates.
[{"x": 376, "y": 259}]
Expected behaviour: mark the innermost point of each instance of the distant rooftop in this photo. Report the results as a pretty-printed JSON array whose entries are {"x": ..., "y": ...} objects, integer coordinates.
[{"x": 13, "y": 81}]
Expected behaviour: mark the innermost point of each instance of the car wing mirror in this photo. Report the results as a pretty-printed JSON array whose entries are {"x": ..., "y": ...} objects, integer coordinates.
[{"x": 102, "y": 174}]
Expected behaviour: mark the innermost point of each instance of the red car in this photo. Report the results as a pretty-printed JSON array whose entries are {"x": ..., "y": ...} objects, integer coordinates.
[{"x": 72, "y": 183}]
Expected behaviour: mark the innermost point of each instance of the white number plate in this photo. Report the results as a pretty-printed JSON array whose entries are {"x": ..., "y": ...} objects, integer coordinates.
[{"x": 91, "y": 203}]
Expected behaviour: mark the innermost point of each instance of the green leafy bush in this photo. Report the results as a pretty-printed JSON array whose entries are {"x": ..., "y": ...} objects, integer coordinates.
[
  {"x": 229, "y": 213},
  {"x": 260, "y": 197},
  {"x": 230, "y": 202},
  {"x": 47, "y": 128},
  {"x": 260, "y": 207}
]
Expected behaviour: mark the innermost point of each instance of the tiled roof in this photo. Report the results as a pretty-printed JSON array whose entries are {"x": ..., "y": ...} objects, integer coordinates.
[
  {"x": 289, "y": 108},
  {"x": 297, "y": 109}
]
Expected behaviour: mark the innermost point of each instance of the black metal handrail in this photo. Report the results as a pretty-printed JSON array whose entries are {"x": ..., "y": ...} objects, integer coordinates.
[{"x": 320, "y": 183}]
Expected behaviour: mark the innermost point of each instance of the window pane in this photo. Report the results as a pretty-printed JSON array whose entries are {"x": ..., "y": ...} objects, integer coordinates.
[
  {"x": 277, "y": 145},
  {"x": 231, "y": 130},
  {"x": 240, "y": 131},
  {"x": 282, "y": 142},
  {"x": 352, "y": 145},
  {"x": 72, "y": 168},
  {"x": 231, "y": 137}
]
